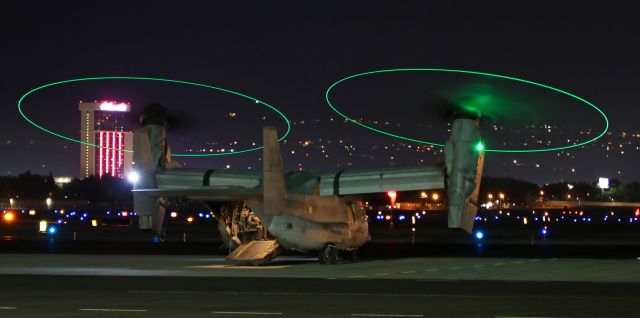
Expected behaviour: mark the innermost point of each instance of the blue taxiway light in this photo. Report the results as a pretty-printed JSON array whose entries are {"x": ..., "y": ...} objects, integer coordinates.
[
  {"x": 479, "y": 235},
  {"x": 52, "y": 229}
]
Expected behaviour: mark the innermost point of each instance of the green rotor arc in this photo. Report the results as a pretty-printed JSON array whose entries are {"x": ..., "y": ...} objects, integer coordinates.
[
  {"x": 257, "y": 101},
  {"x": 582, "y": 100}
]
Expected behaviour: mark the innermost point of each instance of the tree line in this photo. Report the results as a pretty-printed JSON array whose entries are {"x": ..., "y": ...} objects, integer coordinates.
[{"x": 28, "y": 186}]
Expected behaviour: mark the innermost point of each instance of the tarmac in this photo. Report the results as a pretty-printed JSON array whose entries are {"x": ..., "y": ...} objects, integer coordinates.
[{"x": 68, "y": 285}]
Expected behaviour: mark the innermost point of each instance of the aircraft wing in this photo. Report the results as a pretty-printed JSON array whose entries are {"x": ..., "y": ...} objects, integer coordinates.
[
  {"x": 382, "y": 180},
  {"x": 219, "y": 194}
]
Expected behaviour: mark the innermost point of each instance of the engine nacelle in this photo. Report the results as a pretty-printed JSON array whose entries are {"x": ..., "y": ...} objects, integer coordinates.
[{"x": 464, "y": 157}]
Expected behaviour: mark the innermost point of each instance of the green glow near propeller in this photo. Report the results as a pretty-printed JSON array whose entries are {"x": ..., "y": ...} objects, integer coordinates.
[{"x": 476, "y": 104}]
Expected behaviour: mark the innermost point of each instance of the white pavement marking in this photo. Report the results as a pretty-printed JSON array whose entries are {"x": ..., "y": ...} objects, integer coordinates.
[
  {"x": 8, "y": 308},
  {"x": 431, "y": 270},
  {"x": 408, "y": 272},
  {"x": 357, "y": 276},
  {"x": 246, "y": 313},
  {"x": 384, "y": 315},
  {"x": 112, "y": 310},
  {"x": 382, "y": 274},
  {"x": 498, "y": 264},
  {"x": 457, "y": 267},
  {"x": 478, "y": 266},
  {"x": 518, "y": 262}
]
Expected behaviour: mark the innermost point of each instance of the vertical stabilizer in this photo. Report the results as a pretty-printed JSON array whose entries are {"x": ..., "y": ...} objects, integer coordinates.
[
  {"x": 275, "y": 192},
  {"x": 149, "y": 155}
]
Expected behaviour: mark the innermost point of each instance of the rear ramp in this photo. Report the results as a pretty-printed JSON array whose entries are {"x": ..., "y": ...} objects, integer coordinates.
[{"x": 254, "y": 253}]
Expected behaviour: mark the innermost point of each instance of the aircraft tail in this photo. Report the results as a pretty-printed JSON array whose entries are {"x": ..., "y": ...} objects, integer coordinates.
[
  {"x": 275, "y": 192},
  {"x": 150, "y": 153}
]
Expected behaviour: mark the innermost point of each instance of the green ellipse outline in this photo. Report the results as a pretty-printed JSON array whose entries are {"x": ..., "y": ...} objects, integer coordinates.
[
  {"x": 604, "y": 131},
  {"x": 257, "y": 101}
]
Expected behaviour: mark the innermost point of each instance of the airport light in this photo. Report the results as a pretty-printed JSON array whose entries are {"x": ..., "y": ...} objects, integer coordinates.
[
  {"x": 94, "y": 223},
  {"x": 490, "y": 196},
  {"x": 12, "y": 202},
  {"x": 32, "y": 212},
  {"x": 49, "y": 202},
  {"x": 133, "y": 177},
  {"x": 435, "y": 197},
  {"x": 479, "y": 235},
  {"x": 174, "y": 214},
  {"x": 392, "y": 196},
  {"x": 501, "y": 196},
  {"x": 52, "y": 230},
  {"x": 190, "y": 219},
  {"x": 423, "y": 195},
  {"x": 42, "y": 226},
  {"x": 8, "y": 217}
]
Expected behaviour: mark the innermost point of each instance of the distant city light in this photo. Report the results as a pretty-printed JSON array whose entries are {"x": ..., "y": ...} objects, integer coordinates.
[{"x": 603, "y": 183}]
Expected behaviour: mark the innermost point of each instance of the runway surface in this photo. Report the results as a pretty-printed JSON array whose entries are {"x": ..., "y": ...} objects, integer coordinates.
[{"x": 53, "y": 285}]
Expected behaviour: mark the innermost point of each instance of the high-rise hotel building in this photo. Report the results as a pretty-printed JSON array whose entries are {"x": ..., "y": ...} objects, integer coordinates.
[{"x": 107, "y": 147}]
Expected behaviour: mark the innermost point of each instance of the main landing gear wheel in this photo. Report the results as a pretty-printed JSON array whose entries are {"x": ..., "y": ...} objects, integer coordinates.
[{"x": 330, "y": 255}]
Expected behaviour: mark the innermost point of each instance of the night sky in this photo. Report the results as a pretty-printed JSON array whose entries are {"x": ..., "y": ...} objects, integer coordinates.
[{"x": 288, "y": 53}]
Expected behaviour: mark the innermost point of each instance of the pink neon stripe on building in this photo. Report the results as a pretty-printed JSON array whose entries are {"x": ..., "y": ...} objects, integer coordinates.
[
  {"x": 113, "y": 155},
  {"x": 106, "y": 150},
  {"x": 100, "y": 156},
  {"x": 120, "y": 155}
]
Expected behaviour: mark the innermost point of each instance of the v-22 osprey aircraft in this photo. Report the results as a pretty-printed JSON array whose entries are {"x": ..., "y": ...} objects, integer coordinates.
[{"x": 262, "y": 213}]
